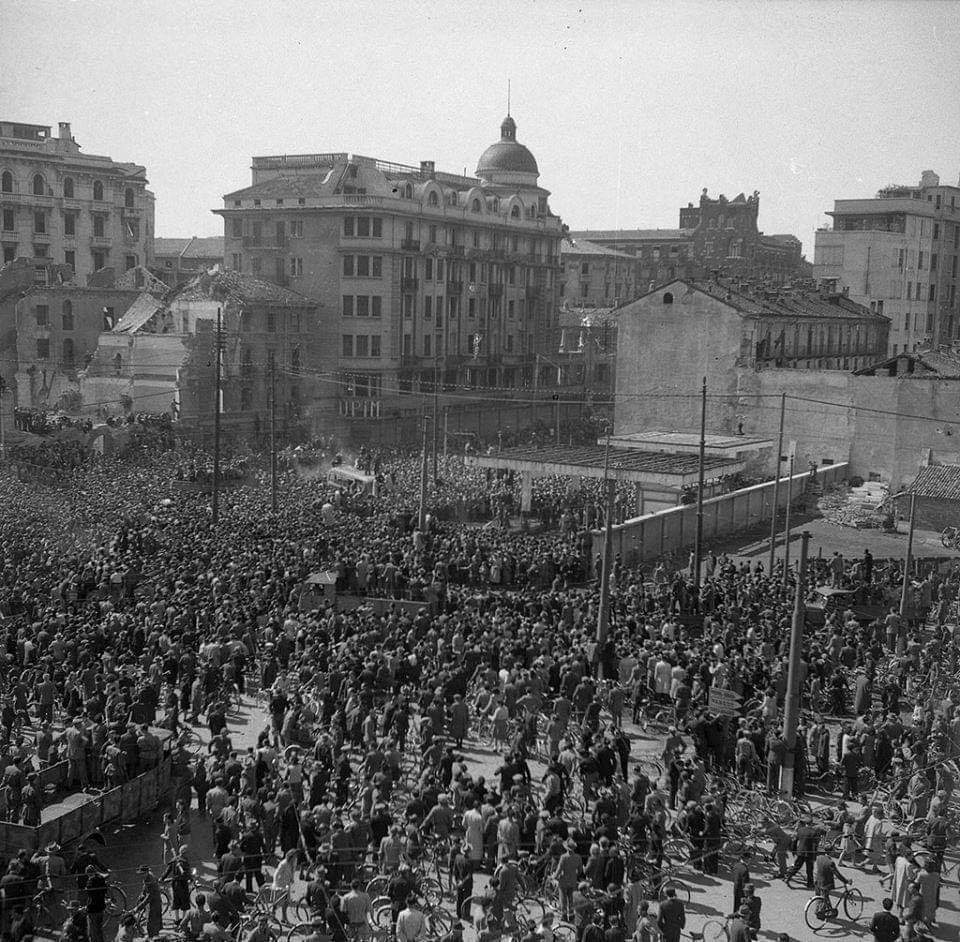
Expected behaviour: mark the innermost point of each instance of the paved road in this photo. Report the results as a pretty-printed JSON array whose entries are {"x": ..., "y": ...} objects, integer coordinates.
[{"x": 711, "y": 896}]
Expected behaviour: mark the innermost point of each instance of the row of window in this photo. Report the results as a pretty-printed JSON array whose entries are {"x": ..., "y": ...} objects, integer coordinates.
[
  {"x": 363, "y": 266},
  {"x": 255, "y": 230},
  {"x": 361, "y": 345},
  {"x": 42, "y": 314},
  {"x": 68, "y": 353},
  {"x": 38, "y": 187},
  {"x": 40, "y": 250},
  {"x": 8, "y": 220}
]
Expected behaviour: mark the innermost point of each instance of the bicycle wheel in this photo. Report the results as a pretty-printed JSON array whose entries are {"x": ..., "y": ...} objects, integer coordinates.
[
  {"x": 303, "y": 911},
  {"x": 431, "y": 891},
  {"x": 812, "y": 913},
  {"x": 676, "y": 848},
  {"x": 299, "y": 931},
  {"x": 650, "y": 767},
  {"x": 853, "y": 903},
  {"x": 439, "y": 922},
  {"x": 116, "y": 902},
  {"x": 715, "y": 931},
  {"x": 378, "y": 886},
  {"x": 678, "y": 886},
  {"x": 383, "y": 916},
  {"x": 530, "y": 908}
]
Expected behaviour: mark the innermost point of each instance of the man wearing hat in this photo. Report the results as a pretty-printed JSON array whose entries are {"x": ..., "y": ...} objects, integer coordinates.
[{"x": 738, "y": 929}]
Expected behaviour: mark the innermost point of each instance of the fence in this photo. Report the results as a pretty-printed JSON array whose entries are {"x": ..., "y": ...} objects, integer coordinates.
[
  {"x": 653, "y": 535},
  {"x": 79, "y": 813}
]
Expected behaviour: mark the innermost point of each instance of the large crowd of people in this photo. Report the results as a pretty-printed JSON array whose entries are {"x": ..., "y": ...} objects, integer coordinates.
[{"x": 125, "y": 607}]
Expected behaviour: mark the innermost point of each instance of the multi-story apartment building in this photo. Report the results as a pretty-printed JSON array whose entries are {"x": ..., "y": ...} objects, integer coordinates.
[
  {"x": 595, "y": 276},
  {"x": 81, "y": 210},
  {"x": 715, "y": 235},
  {"x": 897, "y": 253},
  {"x": 177, "y": 261},
  {"x": 419, "y": 275}
]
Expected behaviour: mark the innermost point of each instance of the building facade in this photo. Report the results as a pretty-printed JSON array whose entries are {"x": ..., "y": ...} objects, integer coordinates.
[
  {"x": 897, "y": 253},
  {"x": 727, "y": 330},
  {"x": 57, "y": 332},
  {"x": 421, "y": 278},
  {"x": 714, "y": 235},
  {"x": 82, "y": 210},
  {"x": 595, "y": 276}
]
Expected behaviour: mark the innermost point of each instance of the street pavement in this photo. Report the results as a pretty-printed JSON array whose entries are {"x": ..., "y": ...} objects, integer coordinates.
[{"x": 711, "y": 897}]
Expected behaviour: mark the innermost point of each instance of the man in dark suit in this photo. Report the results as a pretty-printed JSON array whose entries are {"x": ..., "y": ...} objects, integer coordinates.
[
  {"x": 808, "y": 840},
  {"x": 672, "y": 917},
  {"x": 740, "y": 874}
]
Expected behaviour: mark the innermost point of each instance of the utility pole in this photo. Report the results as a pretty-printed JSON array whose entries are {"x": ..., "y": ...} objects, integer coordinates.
[
  {"x": 776, "y": 488},
  {"x": 698, "y": 545},
  {"x": 603, "y": 612},
  {"x": 791, "y": 713},
  {"x": 786, "y": 542},
  {"x": 446, "y": 426},
  {"x": 3, "y": 443},
  {"x": 423, "y": 476},
  {"x": 215, "y": 502},
  {"x": 436, "y": 414},
  {"x": 273, "y": 437},
  {"x": 905, "y": 586}
]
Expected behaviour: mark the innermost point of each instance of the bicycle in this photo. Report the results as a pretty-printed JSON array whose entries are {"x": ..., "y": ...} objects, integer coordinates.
[{"x": 818, "y": 910}]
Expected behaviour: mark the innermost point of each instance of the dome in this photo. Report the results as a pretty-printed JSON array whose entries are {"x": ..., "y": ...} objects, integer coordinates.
[{"x": 507, "y": 156}]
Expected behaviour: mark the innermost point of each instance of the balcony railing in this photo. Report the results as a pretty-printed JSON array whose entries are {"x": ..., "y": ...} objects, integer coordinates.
[
  {"x": 457, "y": 250},
  {"x": 101, "y": 240},
  {"x": 409, "y": 284},
  {"x": 495, "y": 291},
  {"x": 410, "y": 245},
  {"x": 454, "y": 287},
  {"x": 263, "y": 242}
]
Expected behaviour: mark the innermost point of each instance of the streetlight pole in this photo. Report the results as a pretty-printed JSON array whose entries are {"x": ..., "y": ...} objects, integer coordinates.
[
  {"x": 786, "y": 541},
  {"x": 791, "y": 713},
  {"x": 603, "y": 612},
  {"x": 423, "y": 475},
  {"x": 273, "y": 437},
  {"x": 436, "y": 413},
  {"x": 215, "y": 499},
  {"x": 776, "y": 488},
  {"x": 905, "y": 585},
  {"x": 698, "y": 544}
]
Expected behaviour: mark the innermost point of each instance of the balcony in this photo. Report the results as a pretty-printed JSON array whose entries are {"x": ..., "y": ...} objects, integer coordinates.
[
  {"x": 410, "y": 245},
  {"x": 41, "y": 237},
  {"x": 101, "y": 240},
  {"x": 409, "y": 284},
  {"x": 454, "y": 287},
  {"x": 456, "y": 250},
  {"x": 532, "y": 292},
  {"x": 497, "y": 254},
  {"x": 494, "y": 291}
]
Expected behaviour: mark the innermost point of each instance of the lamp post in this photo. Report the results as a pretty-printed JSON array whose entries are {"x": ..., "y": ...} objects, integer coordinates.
[
  {"x": 698, "y": 544},
  {"x": 603, "y": 611}
]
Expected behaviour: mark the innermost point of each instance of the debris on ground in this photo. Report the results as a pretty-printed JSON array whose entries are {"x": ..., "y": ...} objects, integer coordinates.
[{"x": 866, "y": 507}]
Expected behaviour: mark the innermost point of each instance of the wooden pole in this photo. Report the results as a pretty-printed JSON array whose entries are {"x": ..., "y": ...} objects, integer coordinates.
[
  {"x": 776, "y": 489},
  {"x": 698, "y": 543}
]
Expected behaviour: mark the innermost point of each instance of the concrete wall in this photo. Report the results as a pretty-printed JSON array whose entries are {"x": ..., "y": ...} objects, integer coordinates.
[
  {"x": 651, "y": 536},
  {"x": 882, "y": 426}
]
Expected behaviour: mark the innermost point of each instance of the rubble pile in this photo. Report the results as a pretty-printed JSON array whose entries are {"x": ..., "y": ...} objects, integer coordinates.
[{"x": 864, "y": 507}]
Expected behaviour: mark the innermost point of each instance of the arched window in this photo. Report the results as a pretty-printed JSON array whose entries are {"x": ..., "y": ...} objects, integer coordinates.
[
  {"x": 6, "y": 182},
  {"x": 476, "y": 206},
  {"x": 97, "y": 190},
  {"x": 39, "y": 188},
  {"x": 68, "y": 315},
  {"x": 68, "y": 353},
  {"x": 453, "y": 198},
  {"x": 433, "y": 199},
  {"x": 667, "y": 298},
  {"x": 515, "y": 212},
  {"x": 68, "y": 187},
  {"x": 128, "y": 198},
  {"x": 408, "y": 192},
  {"x": 496, "y": 204}
]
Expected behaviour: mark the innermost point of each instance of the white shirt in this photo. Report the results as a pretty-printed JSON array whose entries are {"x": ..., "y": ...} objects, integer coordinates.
[{"x": 411, "y": 925}]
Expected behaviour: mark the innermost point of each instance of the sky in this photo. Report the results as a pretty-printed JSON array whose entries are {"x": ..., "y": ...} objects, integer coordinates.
[{"x": 631, "y": 108}]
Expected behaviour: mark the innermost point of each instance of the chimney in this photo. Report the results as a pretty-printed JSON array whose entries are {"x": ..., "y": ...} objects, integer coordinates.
[
  {"x": 65, "y": 134},
  {"x": 929, "y": 178},
  {"x": 427, "y": 169}
]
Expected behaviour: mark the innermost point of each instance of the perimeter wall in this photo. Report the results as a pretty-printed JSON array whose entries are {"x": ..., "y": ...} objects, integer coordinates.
[{"x": 650, "y": 536}]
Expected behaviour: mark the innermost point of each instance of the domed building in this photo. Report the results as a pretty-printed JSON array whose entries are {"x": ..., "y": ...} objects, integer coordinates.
[
  {"x": 421, "y": 275},
  {"x": 508, "y": 162}
]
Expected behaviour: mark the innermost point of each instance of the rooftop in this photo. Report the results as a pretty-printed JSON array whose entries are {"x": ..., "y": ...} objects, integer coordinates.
[
  {"x": 941, "y": 481},
  {"x": 585, "y": 247},
  {"x": 942, "y": 363},
  {"x": 753, "y": 298},
  {"x": 192, "y": 247},
  {"x": 231, "y": 285},
  {"x": 631, "y": 235}
]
